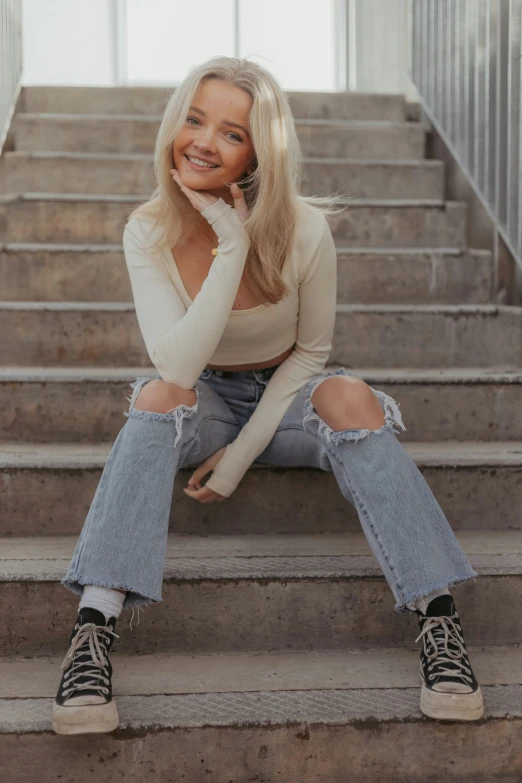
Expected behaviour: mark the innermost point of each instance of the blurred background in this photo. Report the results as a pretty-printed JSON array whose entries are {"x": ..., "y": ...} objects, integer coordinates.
[{"x": 307, "y": 44}]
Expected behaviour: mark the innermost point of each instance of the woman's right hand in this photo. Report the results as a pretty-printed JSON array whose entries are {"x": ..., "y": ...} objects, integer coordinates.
[{"x": 201, "y": 199}]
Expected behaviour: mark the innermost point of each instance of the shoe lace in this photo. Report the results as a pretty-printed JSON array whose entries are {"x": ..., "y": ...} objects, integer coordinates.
[
  {"x": 440, "y": 632},
  {"x": 90, "y": 671}
]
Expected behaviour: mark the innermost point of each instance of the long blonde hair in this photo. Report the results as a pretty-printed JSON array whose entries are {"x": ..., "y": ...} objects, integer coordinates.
[{"x": 271, "y": 191}]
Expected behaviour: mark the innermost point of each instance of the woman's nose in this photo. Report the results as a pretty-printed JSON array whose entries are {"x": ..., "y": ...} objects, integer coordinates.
[{"x": 206, "y": 140}]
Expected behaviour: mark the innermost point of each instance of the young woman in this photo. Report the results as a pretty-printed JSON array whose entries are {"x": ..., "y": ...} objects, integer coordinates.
[{"x": 235, "y": 294}]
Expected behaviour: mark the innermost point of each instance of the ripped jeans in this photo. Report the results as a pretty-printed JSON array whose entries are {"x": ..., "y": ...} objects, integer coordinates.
[{"x": 123, "y": 540}]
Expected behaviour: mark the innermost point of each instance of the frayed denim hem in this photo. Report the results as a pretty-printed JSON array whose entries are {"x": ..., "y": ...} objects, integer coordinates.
[
  {"x": 176, "y": 414},
  {"x": 133, "y": 600},
  {"x": 405, "y": 607},
  {"x": 392, "y": 414}
]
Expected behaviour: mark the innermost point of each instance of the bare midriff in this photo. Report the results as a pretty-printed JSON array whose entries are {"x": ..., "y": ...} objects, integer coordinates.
[
  {"x": 193, "y": 263},
  {"x": 254, "y": 365}
]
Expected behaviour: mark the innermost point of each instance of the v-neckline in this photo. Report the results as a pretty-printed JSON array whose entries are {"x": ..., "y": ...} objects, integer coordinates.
[{"x": 182, "y": 286}]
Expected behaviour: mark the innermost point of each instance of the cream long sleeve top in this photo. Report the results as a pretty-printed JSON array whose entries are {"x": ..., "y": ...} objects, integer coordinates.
[{"x": 182, "y": 335}]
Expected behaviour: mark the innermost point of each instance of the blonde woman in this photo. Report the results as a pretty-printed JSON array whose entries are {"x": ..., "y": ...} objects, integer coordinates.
[{"x": 234, "y": 276}]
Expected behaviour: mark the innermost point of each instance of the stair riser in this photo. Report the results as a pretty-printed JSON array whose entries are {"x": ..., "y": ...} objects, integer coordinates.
[
  {"x": 153, "y": 100},
  {"x": 415, "y": 339},
  {"x": 427, "y": 339},
  {"x": 37, "y": 501},
  {"x": 103, "y": 277},
  {"x": 406, "y": 142},
  {"x": 92, "y": 412},
  {"x": 255, "y": 615},
  {"x": 367, "y": 226},
  {"x": 62, "y": 175},
  {"x": 303, "y": 752}
]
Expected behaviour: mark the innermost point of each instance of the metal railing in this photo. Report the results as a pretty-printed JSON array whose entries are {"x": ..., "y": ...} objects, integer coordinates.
[
  {"x": 467, "y": 67},
  {"x": 374, "y": 53},
  {"x": 10, "y": 62}
]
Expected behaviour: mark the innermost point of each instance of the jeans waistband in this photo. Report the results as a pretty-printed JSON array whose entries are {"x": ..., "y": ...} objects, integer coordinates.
[{"x": 260, "y": 375}]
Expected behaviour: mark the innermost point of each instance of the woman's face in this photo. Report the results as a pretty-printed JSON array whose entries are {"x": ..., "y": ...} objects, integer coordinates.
[{"x": 207, "y": 136}]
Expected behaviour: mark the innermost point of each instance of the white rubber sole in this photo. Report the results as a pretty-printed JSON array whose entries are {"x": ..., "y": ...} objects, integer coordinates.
[
  {"x": 85, "y": 719},
  {"x": 451, "y": 706}
]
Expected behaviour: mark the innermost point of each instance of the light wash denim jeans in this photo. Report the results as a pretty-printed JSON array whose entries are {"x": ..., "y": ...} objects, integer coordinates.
[{"x": 123, "y": 541}]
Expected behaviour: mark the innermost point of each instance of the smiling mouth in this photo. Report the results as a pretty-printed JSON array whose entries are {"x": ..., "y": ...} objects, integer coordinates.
[{"x": 208, "y": 168}]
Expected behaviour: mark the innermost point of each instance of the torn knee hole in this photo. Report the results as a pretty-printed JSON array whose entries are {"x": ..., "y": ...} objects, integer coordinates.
[
  {"x": 176, "y": 414},
  {"x": 392, "y": 415}
]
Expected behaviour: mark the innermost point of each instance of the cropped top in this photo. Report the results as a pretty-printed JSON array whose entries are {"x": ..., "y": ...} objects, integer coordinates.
[{"x": 182, "y": 335}]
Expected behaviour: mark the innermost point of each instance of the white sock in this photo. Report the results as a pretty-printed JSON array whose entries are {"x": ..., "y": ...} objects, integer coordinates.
[
  {"x": 110, "y": 602},
  {"x": 422, "y": 603}
]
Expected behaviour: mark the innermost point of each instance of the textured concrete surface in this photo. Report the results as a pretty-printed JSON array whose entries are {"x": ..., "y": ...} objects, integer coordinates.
[
  {"x": 152, "y": 100},
  {"x": 122, "y": 173},
  {"x": 276, "y": 593},
  {"x": 47, "y": 489},
  {"x": 264, "y": 708},
  {"x": 407, "y": 748},
  {"x": 71, "y": 334},
  {"x": 483, "y": 542},
  {"x": 99, "y": 218},
  {"x": 88, "y": 406},
  {"x": 136, "y": 134},
  {"x": 74, "y": 272},
  {"x": 36, "y": 678},
  {"x": 275, "y": 610}
]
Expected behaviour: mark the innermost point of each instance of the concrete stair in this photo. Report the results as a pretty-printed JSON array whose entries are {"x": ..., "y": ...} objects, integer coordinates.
[
  {"x": 422, "y": 336},
  {"x": 276, "y": 653},
  {"x": 43, "y": 272},
  {"x": 151, "y": 101},
  {"x": 103, "y": 173},
  {"x": 48, "y": 488},
  {"x": 43, "y": 132},
  {"x": 101, "y": 218},
  {"x": 84, "y": 405},
  {"x": 277, "y": 592},
  {"x": 337, "y": 712}
]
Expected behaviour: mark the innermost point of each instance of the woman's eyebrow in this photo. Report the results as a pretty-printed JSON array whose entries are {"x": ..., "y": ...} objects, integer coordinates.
[{"x": 225, "y": 122}]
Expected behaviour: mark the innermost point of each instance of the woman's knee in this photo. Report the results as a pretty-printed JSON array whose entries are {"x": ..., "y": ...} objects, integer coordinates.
[{"x": 160, "y": 397}]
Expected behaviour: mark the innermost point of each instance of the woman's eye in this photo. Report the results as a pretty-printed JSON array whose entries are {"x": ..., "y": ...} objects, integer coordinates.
[{"x": 236, "y": 137}]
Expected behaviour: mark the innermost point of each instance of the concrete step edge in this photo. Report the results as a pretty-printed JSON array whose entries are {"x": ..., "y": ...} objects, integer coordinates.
[
  {"x": 258, "y": 546},
  {"x": 414, "y": 251},
  {"x": 246, "y": 672},
  {"x": 38, "y": 247},
  {"x": 426, "y": 309},
  {"x": 58, "y": 247},
  {"x": 249, "y": 557},
  {"x": 397, "y": 163},
  {"x": 15, "y": 455},
  {"x": 399, "y": 375},
  {"x": 11, "y": 198},
  {"x": 414, "y": 163},
  {"x": 156, "y": 119},
  {"x": 258, "y": 709}
]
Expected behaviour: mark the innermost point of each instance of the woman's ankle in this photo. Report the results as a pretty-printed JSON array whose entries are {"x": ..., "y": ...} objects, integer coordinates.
[{"x": 107, "y": 600}]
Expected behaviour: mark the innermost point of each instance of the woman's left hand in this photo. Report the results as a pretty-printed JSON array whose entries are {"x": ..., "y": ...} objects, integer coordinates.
[{"x": 202, "y": 493}]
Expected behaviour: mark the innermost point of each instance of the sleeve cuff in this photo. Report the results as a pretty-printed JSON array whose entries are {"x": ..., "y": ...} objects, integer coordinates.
[
  {"x": 220, "y": 209},
  {"x": 221, "y": 486},
  {"x": 214, "y": 211}
]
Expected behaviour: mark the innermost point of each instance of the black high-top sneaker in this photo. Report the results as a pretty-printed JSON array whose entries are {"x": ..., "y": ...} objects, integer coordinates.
[
  {"x": 449, "y": 688},
  {"x": 84, "y": 702}
]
